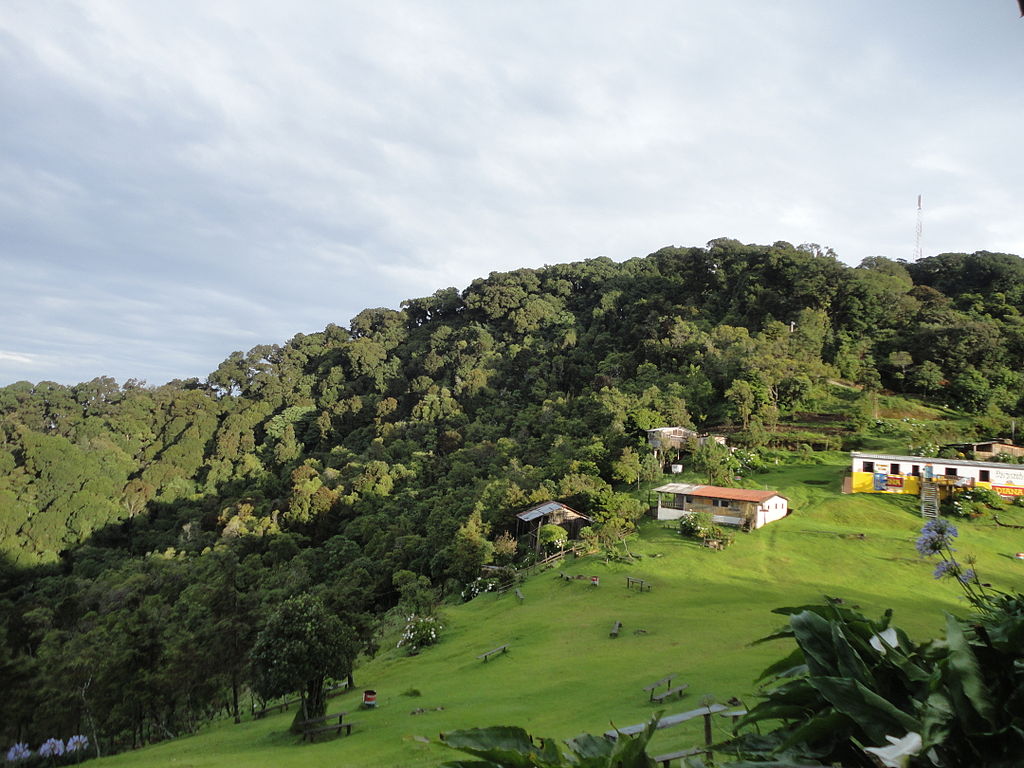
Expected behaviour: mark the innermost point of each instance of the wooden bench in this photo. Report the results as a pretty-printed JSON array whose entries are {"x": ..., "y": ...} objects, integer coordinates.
[
  {"x": 667, "y": 758},
  {"x": 311, "y": 733},
  {"x": 615, "y": 629},
  {"x": 323, "y": 719},
  {"x": 640, "y": 584},
  {"x": 261, "y": 713},
  {"x": 519, "y": 594},
  {"x": 667, "y": 680},
  {"x": 668, "y": 722},
  {"x": 499, "y": 649},
  {"x": 735, "y": 714},
  {"x": 660, "y": 697}
]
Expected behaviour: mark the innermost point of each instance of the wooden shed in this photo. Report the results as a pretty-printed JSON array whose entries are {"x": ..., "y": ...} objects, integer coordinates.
[{"x": 530, "y": 521}]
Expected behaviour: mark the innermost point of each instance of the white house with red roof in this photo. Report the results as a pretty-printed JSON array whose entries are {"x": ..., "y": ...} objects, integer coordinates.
[{"x": 741, "y": 507}]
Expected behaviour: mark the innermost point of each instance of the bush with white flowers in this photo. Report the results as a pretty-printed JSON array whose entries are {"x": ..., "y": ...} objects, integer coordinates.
[{"x": 419, "y": 632}]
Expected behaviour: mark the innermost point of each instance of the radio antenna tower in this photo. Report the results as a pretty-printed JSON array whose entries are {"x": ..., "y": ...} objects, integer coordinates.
[{"x": 920, "y": 228}]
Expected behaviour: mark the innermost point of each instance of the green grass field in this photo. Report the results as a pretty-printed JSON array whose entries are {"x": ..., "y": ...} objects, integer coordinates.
[{"x": 563, "y": 673}]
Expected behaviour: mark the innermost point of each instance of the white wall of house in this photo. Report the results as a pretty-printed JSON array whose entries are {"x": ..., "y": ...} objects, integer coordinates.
[{"x": 771, "y": 510}]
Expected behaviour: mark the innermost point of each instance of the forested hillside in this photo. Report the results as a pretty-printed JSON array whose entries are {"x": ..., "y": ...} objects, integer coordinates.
[{"x": 149, "y": 532}]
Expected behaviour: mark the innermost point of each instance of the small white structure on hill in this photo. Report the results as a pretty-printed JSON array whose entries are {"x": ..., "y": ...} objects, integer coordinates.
[
  {"x": 679, "y": 438},
  {"x": 727, "y": 506}
]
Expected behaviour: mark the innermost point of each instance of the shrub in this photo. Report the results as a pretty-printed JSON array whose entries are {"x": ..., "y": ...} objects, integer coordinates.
[
  {"x": 478, "y": 587},
  {"x": 696, "y": 525},
  {"x": 420, "y": 631}
]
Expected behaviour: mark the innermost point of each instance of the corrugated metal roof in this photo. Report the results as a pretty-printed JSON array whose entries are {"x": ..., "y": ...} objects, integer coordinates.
[
  {"x": 718, "y": 492},
  {"x": 547, "y": 508},
  {"x": 933, "y": 460},
  {"x": 678, "y": 488}
]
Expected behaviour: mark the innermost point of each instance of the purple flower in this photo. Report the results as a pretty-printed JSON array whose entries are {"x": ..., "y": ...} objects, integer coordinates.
[
  {"x": 77, "y": 742},
  {"x": 19, "y": 751},
  {"x": 947, "y": 568},
  {"x": 51, "y": 748},
  {"x": 936, "y": 535},
  {"x": 968, "y": 576}
]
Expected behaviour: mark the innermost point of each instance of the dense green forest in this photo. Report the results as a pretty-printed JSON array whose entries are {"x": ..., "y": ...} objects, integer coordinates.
[{"x": 149, "y": 534}]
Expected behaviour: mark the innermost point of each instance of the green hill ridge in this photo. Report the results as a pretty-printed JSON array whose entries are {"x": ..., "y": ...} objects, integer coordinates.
[{"x": 563, "y": 674}]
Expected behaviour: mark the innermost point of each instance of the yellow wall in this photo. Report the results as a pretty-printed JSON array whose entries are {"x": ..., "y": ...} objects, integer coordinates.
[{"x": 864, "y": 482}]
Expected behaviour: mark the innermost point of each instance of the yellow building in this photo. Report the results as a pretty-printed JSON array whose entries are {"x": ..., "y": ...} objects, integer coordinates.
[{"x": 887, "y": 473}]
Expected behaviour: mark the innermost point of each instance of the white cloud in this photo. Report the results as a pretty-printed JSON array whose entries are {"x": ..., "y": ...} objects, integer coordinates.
[{"x": 181, "y": 179}]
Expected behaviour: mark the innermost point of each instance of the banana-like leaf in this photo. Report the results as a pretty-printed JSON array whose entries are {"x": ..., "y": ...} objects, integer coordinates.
[
  {"x": 785, "y": 665},
  {"x": 826, "y": 726},
  {"x": 814, "y": 635},
  {"x": 965, "y": 672},
  {"x": 849, "y": 661},
  {"x": 505, "y": 746},
  {"x": 875, "y": 716}
]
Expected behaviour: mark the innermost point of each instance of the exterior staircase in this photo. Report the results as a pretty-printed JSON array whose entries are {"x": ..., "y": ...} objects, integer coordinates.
[{"x": 929, "y": 499}]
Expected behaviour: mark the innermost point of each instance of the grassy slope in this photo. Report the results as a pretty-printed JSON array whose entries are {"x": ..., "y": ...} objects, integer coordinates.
[{"x": 564, "y": 675}]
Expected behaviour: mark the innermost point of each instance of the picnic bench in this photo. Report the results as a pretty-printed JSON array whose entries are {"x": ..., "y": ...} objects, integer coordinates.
[
  {"x": 668, "y": 722},
  {"x": 667, "y": 680},
  {"x": 660, "y": 697},
  {"x": 615, "y": 629},
  {"x": 735, "y": 714},
  {"x": 488, "y": 654},
  {"x": 310, "y": 733},
  {"x": 640, "y": 584},
  {"x": 261, "y": 713}
]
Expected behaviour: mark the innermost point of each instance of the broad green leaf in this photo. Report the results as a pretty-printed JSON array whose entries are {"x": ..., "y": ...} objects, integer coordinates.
[
  {"x": 508, "y": 746},
  {"x": 964, "y": 670},
  {"x": 769, "y": 710},
  {"x": 875, "y": 716},
  {"x": 828, "y": 725},
  {"x": 786, "y": 664},
  {"x": 814, "y": 635},
  {"x": 850, "y": 663}
]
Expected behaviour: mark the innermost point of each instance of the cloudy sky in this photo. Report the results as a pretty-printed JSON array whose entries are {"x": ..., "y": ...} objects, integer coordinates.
[{"x": 180, "y": 179}]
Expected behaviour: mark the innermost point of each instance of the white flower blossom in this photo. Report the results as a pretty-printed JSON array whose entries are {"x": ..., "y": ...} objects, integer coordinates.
[
  {"x": 884, "y": 640},
  {"x": 899, "y": 751}
]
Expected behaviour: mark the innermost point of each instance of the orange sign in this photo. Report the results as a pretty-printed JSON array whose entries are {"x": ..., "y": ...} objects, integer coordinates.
[{"x": 1008, "y": 490}]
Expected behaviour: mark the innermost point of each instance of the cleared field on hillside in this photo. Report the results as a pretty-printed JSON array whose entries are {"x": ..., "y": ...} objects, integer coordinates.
[{"x": 563, "y": 674}]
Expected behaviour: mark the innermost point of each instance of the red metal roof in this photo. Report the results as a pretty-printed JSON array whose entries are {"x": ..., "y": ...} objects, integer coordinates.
[{"x": 733, "y": 494}]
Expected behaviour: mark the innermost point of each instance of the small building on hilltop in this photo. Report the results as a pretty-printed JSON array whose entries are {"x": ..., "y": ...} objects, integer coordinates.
[
  {"x": 530, "y": 521},
  {"x": 987, "y": 450},
  {"x": 741, "y": 507},
  {"x": 678, "y": 439},
  {"x": 889, "y": 473}
]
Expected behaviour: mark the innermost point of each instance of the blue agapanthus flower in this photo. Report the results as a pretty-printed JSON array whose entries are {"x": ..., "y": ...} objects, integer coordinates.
[
  {"x": 51, "y": 748},
  {"x": 968, "y": 576},
  {"x": 936, "y": 536},
  {"x": 77, "y": 742},
  {"x": 947, "y": 568},
  {"x": 19, "y": 751}
]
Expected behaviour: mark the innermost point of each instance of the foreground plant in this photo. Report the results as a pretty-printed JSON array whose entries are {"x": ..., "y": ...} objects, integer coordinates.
[
  {"x": 512, "y": 747},
  {"x": 859, "y": 692}
]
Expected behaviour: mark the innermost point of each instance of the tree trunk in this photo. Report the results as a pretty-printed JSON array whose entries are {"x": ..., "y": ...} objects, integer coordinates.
[{"x": 234, "y": 696}]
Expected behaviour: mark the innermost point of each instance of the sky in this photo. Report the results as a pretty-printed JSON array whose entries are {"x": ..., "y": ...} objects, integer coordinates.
[{"x": 180, "y": 179}]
